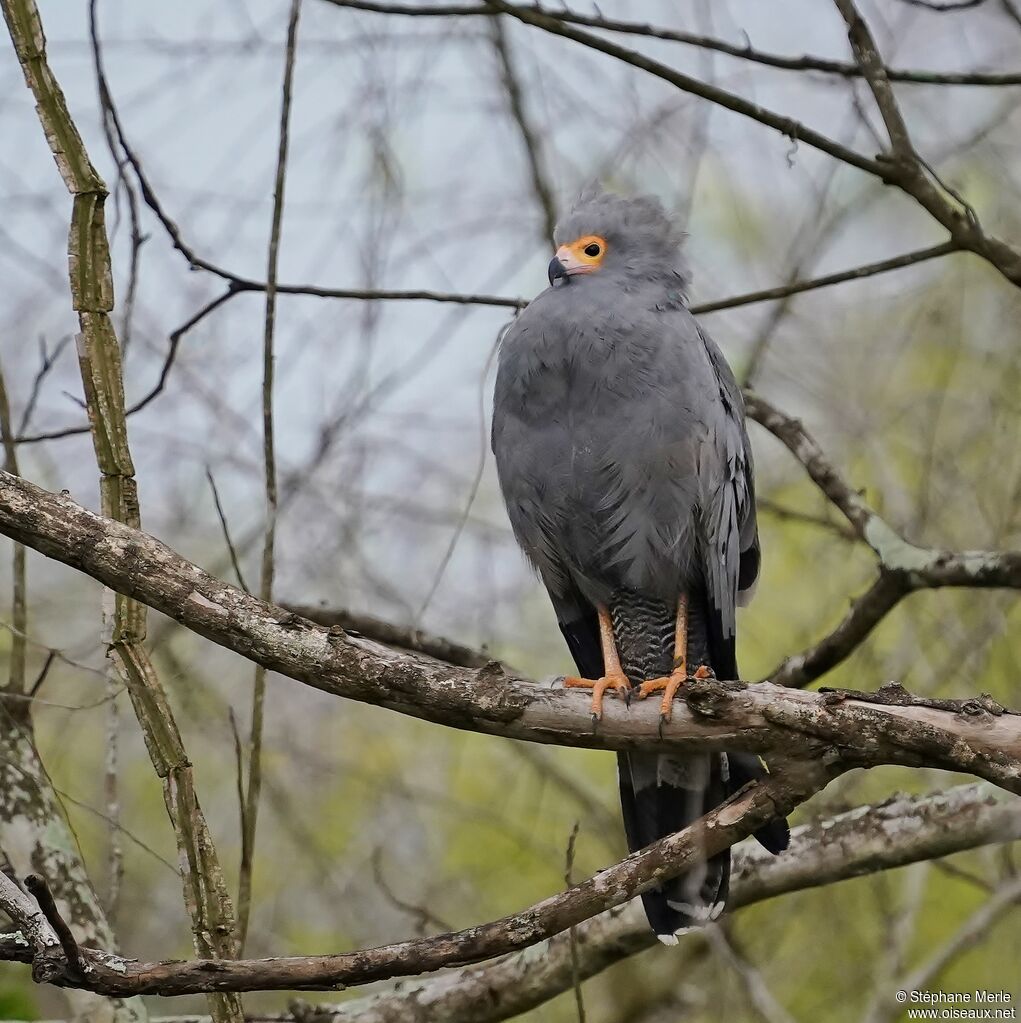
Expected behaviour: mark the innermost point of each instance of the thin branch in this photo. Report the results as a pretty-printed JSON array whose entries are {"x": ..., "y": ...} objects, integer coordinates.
[
  {"x": 111, "y": 798},
  {"x": 225, "y": 529},
  {"x": 422, "y": 914},
  {"x": 943, "y": 6},
  {"x": 855, "y": 274},
  {"x": 868, "y": 59},
  {"x": 251, "y": 814},
  {"x": 40, "y": 891},
  {"x": 356, "y": 625},
  {"x": 572, "y": 932},
  {"x": 1011, "y": 10},
  {"x": 480, "y": 466},
  {"x": 19, "y": 586},
  {"x": 904, "y": 567},
  {"x": 905, "y": 173},
  {"x": 906, "y": 169},
  {"x": 787, "y": 514},
  {"x": 239, "y": 285},
  {"x": 891, "y": 549},
  {"x": 47, "y": 360},
  {"x": 174, "y": 339},
  {"x": 745, "y": 52},
  {"x": 137, "y": 238},
  {"x": 918, "y": 566},
  {"x": 786, "y": 126},
  {"x": 975, "y": 929},
  {"x": 530, "y": 139},
  {"x": 865, "y": 613},
  {"x": 762, "y": 1000}
]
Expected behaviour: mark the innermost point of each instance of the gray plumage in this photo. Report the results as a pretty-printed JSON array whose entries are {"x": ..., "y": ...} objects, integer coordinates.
[
  {"x": 618, "y": 427},
  {"x": 619, "y": 436}
]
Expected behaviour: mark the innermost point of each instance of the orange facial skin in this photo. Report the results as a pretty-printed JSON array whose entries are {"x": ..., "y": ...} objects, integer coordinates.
[{"x": 583, "y": 255}]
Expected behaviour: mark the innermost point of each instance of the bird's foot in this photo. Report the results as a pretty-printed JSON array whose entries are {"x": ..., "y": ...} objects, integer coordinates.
[
  {"x": 614, "y": 680},
  {"x": 669, "y": 685}
]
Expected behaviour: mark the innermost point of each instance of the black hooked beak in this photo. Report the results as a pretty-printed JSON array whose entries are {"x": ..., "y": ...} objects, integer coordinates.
[{"x": 557, "y": 272}]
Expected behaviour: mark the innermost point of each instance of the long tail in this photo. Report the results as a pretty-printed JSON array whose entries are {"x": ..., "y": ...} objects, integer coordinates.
[{"x": 662, "y": 794}]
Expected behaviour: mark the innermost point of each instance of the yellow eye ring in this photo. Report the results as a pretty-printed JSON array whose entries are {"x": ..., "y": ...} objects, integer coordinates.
[{"x": 589, "y": 250}]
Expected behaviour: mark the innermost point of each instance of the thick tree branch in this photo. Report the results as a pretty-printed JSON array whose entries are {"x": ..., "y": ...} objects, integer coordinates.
[
  {"x": 719, "y": 829},
  {"x": 766, "y": 719},
  {"x": 868, "y": 839},
  {"x": 124, "y": 619}
]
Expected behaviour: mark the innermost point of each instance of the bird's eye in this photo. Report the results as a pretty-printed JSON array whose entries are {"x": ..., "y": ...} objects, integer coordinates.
[{"x": 592, "y": 250}]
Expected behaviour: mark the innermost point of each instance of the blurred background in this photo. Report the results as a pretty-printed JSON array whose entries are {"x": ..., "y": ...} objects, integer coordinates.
[{"x": 432, "y": 153}]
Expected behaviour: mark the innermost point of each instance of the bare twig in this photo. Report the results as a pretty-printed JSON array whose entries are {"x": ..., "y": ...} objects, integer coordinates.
[
  {"x": 943, "y": 6},
  {"x": 530, "y": 139},
  {"x": 904, "y": 567},
  {"x": 19, "y": 594},
  {"x": 251, "y": 814},
  {"x": 908, "y": 174},
  {"x": 572, "y": 933},
  {"x": 225, "y": 529},
  {"x": 762, "y": 1000},
  {"x": 424, "y": 917},
  {"x": 137, "y": 239},
  {"x": 40, "y": 891},
  {"x": 398, "y": 636},
  {"x": 47, "y": 360},
  {"x": 787, "y": 514},
  {"x": 786, "y": 126},
  {"x": 867, "y": 57},
  {"x": 972, "y": 931},
  {"x": 743, "y": 52},
  {"x": 1011, "y": 10},
  {"x": 157, "y": 388},
  {"x": 865, "y": 613},
  {"x": 856, "y": 274},
  {"x": 111, "y": 797}
]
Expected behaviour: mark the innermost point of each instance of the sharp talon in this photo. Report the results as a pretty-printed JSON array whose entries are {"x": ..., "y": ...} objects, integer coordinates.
[{"x": 595, "y": 721}]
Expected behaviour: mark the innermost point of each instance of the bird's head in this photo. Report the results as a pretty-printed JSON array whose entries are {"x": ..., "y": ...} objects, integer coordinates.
[{"x": 607, "y": 234}]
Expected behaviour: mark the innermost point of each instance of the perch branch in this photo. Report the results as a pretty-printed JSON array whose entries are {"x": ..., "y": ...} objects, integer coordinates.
[{"x": 770, "y": 720}]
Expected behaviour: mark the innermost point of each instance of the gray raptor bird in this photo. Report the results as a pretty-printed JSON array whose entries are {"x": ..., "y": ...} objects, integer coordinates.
[{"x": 619, "y": 436}]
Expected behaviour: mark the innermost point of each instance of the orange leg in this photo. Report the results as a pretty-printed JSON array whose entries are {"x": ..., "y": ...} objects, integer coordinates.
[
  {"x": 613, "y": 675},
  {"x": 669, "y": 684}
]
